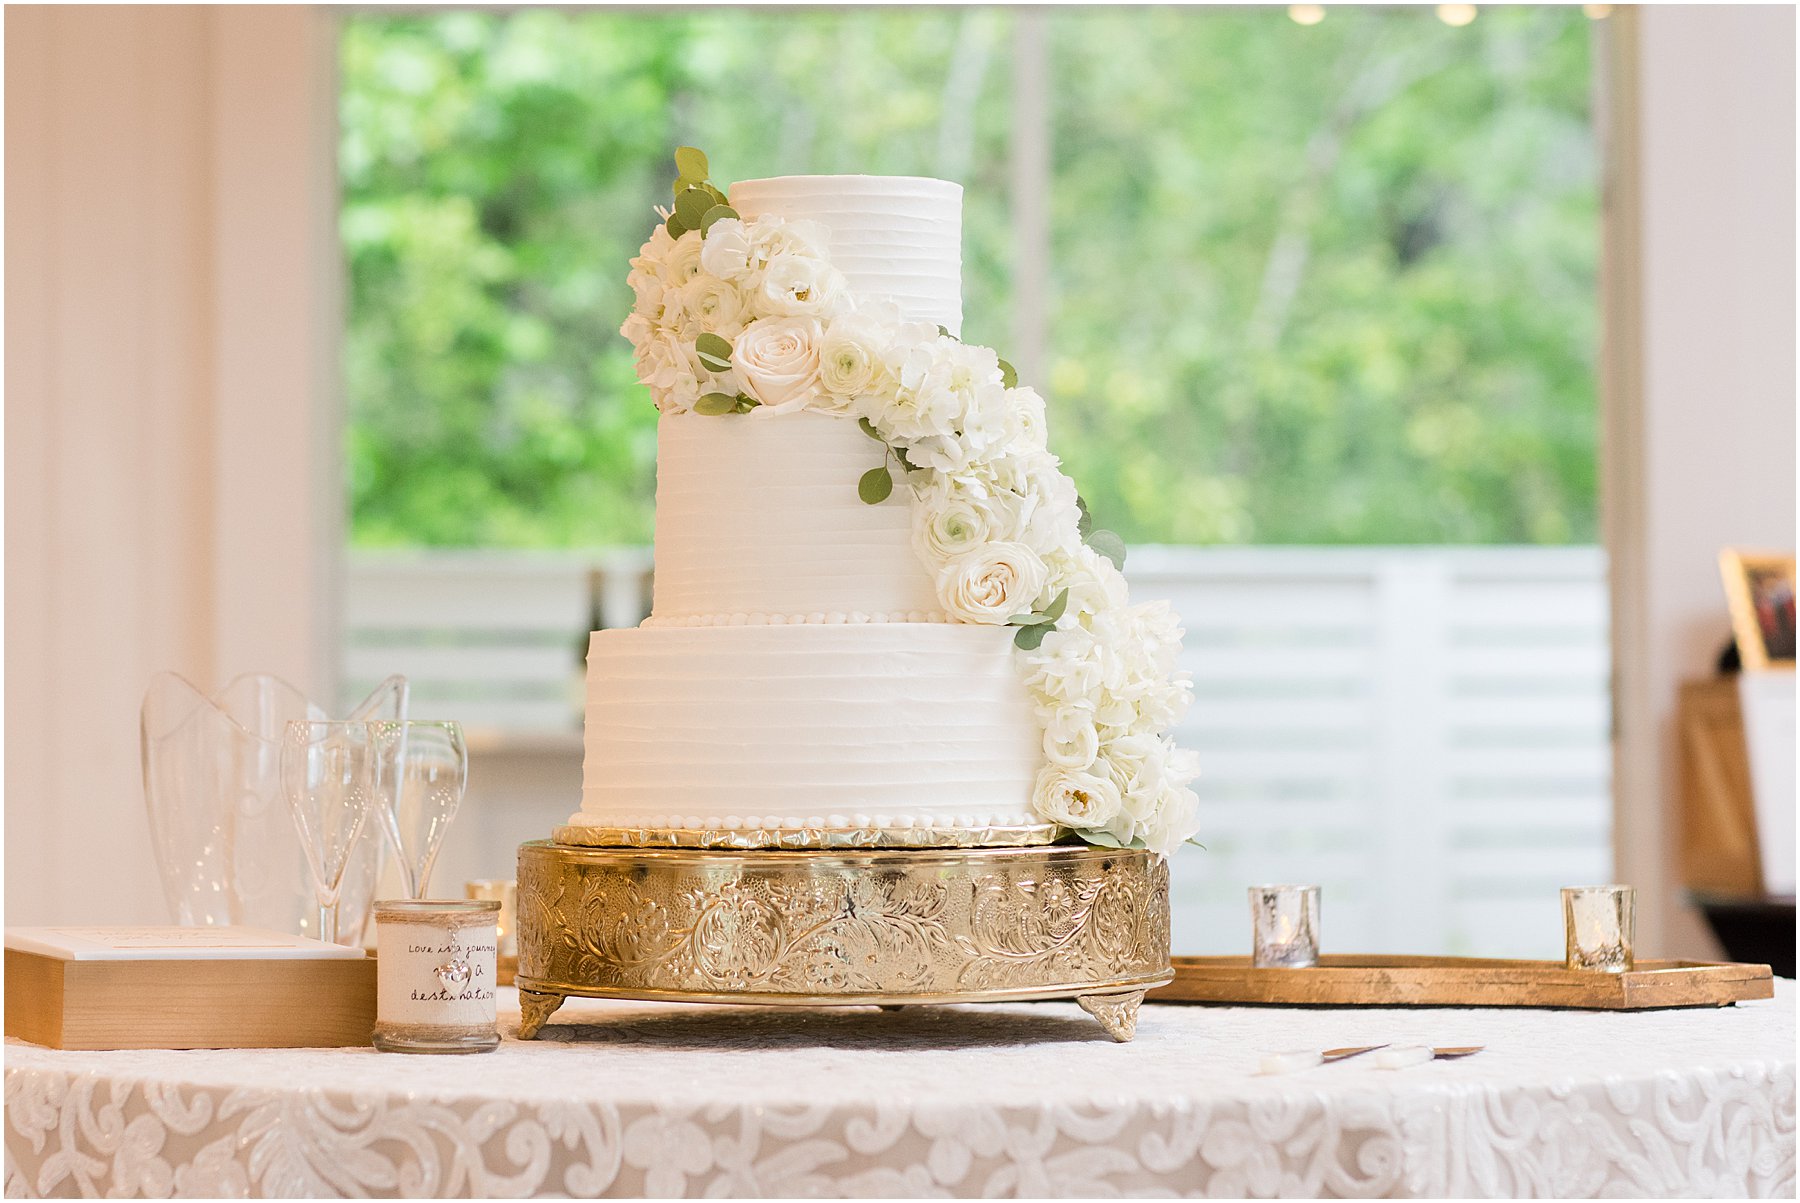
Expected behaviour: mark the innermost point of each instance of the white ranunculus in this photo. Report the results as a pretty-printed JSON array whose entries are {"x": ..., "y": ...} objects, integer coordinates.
[
  {"x": 947, "y": 523},
  {"x": 777, "y": 359},
  {"x": 726, "y": 251},
  {"x": 682, "y": 263},
  {"x": 1070, "y": 741},
  {"x": 713, "y": 305},
  {"x": 800, "y": 286},
  {"x": 991, "y": 582},
  {"x": 1074, "y": 798},
  {"x": 850, "y": 357}
]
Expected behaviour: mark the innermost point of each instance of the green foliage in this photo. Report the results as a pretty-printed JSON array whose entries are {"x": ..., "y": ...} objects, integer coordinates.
[
  {"x": 876, "y": 485},
  {"x": 1325, "y": 284}
]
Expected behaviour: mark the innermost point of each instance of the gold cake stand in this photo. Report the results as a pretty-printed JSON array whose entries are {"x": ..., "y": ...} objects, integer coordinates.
[{"x": 831, "y": 927}]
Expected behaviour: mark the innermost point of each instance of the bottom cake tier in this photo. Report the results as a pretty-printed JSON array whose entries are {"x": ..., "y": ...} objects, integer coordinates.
[{"x": 804, "y": 734}]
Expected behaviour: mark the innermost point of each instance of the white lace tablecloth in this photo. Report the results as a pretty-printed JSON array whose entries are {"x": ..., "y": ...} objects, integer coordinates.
[{"x": 1028, "y": 1099}]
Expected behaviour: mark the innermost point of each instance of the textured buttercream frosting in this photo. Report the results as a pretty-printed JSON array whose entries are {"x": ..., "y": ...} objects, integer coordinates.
[
  {"x": 895, "y": 238},
  {"x": 778, "y": 726},
  {"x": 758, "y": 515}
]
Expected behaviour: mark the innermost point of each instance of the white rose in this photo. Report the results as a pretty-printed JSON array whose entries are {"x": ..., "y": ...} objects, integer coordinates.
[
  {"x": 777, "y": 360},
  {"x": 1074, "y": 799},
  {"x": 850, "y": 357},
  {"x": 1070, "y": 741},
  {"x": 991, "y": 582},
  {"x": 714, "y": 304},
  {"x": 800, "y": 286},
  {"x": 726, "y": 251}
]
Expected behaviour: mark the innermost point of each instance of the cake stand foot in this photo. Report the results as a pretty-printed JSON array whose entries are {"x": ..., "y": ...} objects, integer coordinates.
[
  {"x": 889, "y": 1006},
  {"x": 1117, "y": 1013},
  {"x": 535, "y": 1008}
]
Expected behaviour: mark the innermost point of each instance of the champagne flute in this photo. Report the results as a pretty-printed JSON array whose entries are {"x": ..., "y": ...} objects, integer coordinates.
[
  {"x": 327, "y": 773},
  {"x": 421, "y": 771}
]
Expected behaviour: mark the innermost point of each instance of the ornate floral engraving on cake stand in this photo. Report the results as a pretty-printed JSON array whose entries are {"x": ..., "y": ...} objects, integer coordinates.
[{"x": 887, "y": 927}]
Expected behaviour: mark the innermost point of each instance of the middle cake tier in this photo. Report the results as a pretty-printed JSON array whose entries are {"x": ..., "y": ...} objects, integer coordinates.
[
  {"x": 758, "y": 519},
  {"x": 873, "y": 728}
]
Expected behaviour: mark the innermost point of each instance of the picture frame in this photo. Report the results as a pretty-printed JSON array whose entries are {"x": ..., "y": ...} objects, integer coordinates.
[{"x": 1759, "y": 588}]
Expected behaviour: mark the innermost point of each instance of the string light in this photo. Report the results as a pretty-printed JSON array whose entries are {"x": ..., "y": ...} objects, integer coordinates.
[
  {"x": 1456, "y": 14},
  {"x": 1306, "y": 14}
]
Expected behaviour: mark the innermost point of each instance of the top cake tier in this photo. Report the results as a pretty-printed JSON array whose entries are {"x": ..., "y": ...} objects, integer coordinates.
[{"x": 896, "y": 238}]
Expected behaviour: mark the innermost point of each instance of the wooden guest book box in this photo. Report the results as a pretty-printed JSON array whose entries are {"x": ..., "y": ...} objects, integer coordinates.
[{"x": 185, "y": 987}]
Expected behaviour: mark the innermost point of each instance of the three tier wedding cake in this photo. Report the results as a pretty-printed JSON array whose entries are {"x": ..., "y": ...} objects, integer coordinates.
[{"x": 881, "y": 615}]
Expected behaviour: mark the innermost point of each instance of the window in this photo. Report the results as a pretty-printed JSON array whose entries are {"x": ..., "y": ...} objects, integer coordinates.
[{"x": 1314, "y": 307}]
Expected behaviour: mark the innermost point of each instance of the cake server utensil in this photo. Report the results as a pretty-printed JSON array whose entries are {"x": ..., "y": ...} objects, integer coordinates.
[
  {"x": 1419, "y": 1054},
  {"x": 1283, "y": 1063}
]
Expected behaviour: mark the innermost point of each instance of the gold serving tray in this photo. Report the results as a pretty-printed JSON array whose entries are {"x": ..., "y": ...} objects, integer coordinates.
[{"x": 1392, "y": 981}]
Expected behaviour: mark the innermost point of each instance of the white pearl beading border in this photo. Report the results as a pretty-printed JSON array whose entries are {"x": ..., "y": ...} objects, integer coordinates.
[{"x": 817, "y": 618}]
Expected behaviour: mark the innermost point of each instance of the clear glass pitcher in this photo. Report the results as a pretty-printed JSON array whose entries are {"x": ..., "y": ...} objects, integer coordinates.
[{"x": 224, "y": 838}]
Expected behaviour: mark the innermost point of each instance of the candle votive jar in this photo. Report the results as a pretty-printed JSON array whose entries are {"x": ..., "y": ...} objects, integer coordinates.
[
  {"x": 1285, "y": 926},
  {"x": 434, "y": 976},
  {"x": 506, "y": 892},
  {"x": 1598, "y": 926}
]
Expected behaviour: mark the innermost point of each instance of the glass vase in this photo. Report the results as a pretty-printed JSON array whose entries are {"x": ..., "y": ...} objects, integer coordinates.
[{"x": 221, "y": 831}]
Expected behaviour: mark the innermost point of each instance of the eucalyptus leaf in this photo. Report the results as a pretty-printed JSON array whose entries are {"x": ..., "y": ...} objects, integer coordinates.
[
  {"x": 690, "y": 161},
  {"x": 717, "y": 196},
  {"x": 1009, "y": 375},
  {"x": 691, "y": 206},
  {"x": 875, "y": 486},
  {"x": 714, "y": 404},
  {"x": 1108, "y": 545},
  {"x": 714, "y": 352},
  {"x": 674, "y": 226},
  {"x": 745, "y": 404},
  {"x": 1030, "y": 638},
  {"x": 683, "y": 183},
  {"x": 868, "y": 428},
  {"x": 1024, "y": 620},
  {"x": 1058, "y": 606},
  {"x": 900, "y": 455},
  {"x": 716, "y": 213},
  {"x": 1084, "y": 525},
  {"x": 945, "y": 331},
  {"x": 1105, "y": 839}
]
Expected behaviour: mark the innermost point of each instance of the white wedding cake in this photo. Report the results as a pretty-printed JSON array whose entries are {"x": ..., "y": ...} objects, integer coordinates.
[{"x": 860, "y": 608}]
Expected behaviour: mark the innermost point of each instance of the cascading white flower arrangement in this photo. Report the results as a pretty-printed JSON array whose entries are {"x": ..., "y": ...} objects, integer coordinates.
[{"x": 750, "y": 317}]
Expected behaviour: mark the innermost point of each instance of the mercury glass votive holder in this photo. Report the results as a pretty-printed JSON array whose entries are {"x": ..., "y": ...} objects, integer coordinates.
[
  {"x": 1598, "y": 927},
  {"x": 1285, "y": 926},
  {"x": 435, "y": 976},
  {"x": 505, "y": 891}
]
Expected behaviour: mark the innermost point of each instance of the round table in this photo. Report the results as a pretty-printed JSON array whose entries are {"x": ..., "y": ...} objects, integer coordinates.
[{"x": 626, "y": 1099}]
